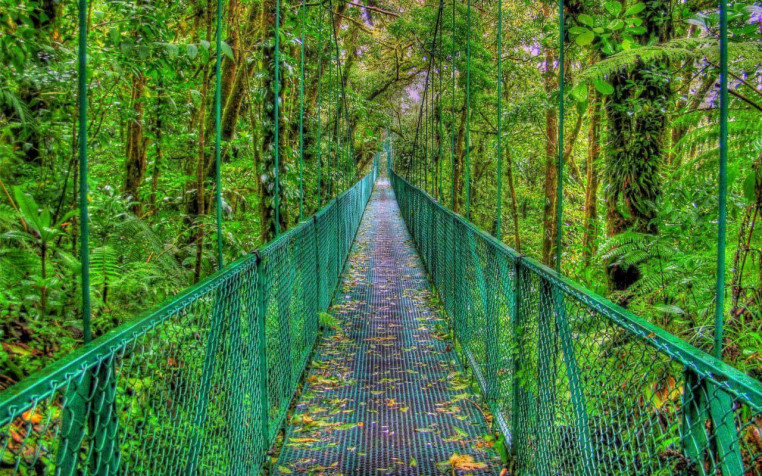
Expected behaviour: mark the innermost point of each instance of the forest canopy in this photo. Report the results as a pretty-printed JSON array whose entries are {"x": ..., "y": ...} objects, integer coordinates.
[{"x": 640, "y": 146}]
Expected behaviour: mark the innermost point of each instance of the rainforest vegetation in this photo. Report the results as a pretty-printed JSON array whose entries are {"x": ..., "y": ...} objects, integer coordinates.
[{"x": 640, "y": 145}]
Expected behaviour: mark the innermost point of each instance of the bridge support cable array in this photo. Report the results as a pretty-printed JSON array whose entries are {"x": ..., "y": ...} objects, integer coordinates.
[
  {"x": 578, "y": 384},
  {"x": 201, "y": 385}
]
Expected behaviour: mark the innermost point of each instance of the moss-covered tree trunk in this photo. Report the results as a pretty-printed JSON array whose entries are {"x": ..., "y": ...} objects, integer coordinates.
[
  {"x": 267, "y": 175},
  {"x": 637, "y": 114},
  {"x": 135, "y": 147}
]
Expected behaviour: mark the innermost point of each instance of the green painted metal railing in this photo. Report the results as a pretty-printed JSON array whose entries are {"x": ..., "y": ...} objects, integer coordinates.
[
  {"x": 577, "y": 384},
  {"x": 201, "y": 384}
]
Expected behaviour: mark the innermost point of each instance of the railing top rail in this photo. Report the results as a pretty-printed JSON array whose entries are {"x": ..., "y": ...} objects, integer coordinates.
[
  {"x": 60, "y": 373},
  {"x": 731, "y": 379}
]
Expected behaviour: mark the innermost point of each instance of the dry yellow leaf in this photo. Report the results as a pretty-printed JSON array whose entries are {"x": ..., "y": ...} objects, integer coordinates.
[{"x": 465, "y": 462}]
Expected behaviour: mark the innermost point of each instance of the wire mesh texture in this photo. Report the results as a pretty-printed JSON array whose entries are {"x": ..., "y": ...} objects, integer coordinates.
[
  {"x": 577, "y": 384},
  {"x": 199, "y": 385},
  {"x": 385, "y": 394}
]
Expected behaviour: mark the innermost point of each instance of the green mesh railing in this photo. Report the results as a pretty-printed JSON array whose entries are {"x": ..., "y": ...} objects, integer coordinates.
[
  {"x": 577, "y": 384},
  {"x": 201, "y": 384}
]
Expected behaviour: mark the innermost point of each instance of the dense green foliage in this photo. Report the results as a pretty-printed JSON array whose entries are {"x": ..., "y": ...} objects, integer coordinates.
[
  {"x": 640, "y": 150},
  {"x": 641, "y": 146}
]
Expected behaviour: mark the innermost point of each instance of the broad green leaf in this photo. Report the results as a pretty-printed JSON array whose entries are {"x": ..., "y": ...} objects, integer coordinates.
[
  {"x": 603, "y": 87},
  {"x": 635, "y": 9},
  {"x": 227, "y": 50},
  {"x": 30, "y": 211},
  {"x": 615, "y": 25},
  {"x": 613, "y": 7},
  {"x": 586, "y": 19},
  {"x": 585, "y": 38},
  {"x": 191, "y": 50},
  {"x": 579, "y": 92},
  {"x": 750, "y": 187},
  {"x": 696, "y": 21}
]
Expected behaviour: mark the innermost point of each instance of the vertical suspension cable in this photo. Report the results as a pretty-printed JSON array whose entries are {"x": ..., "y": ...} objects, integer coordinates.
[
  {"x": 719, "y": 308},
  {"x": 340, "y": 101},
  {"x": 425, "y": 90},
  {"x": 560, "y": 165},
  {"x": 301, "y": 115},
  {"x": 440, "y": 130},
  {"x": 499, "y": 209},
  {"x": 332, "y": 160},
  {"x": 276, "y": 113},
  {"x": 452, "y": 113},
  {"x": 319, "y": 113},
  {"x": 84, "y": 219},
  {"x": 425, "y": 164},
  {"x": 468, "y": 111},
  {"x": 218, "y": 134}
]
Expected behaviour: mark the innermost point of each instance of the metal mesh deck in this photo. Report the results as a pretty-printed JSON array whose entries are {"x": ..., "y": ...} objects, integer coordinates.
[{"x": 385, "y": 394}]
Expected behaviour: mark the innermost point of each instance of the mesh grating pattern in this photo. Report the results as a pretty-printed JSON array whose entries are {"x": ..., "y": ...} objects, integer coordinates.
[
  {"x": 577, "y": 384},
  {"x": 385, "y": 395},
  {"x": 199, "y": 385}
]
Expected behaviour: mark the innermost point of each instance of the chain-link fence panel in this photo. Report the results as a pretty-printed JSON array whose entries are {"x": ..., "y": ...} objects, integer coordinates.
[
  {"x": 577, "y": 384},
  {"x": 199, "y": 385}
]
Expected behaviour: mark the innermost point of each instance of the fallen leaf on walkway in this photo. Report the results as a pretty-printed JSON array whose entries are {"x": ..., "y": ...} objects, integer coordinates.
[{"x": 465, "y": 462}]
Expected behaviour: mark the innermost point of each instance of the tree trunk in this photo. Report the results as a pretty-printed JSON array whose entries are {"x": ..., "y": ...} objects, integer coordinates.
[
  {"x": 459, "y": 159},
  {"x": 158, "y": 151},
  {"x": 136, "y": 143},
  {"x": 551, "y": 171},
  {"x": 636, "y": 114},
  {"x": 269, "y": 144},
  {"x": 514, "y": 203},
  {"x": 589, "y": 245}
]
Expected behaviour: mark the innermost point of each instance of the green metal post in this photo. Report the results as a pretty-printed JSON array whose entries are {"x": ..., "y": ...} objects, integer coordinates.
[
  {"x": 499, "y": 208},
  {"x": 719, "y": 308},
  {"x": 276, "y": 119},
  {"x": 198, "y": 434},
  {"x": 452, "y": 113},
  {"x": 467, "y": 165},
  {"x": 319, "y": 143},
  {"x": 262, "y": 354},
  {"x": 586, "y": 451},
  {"x": 560, "y": 166},
  {"x": 547, "y": 351},
  {"x": 218, "y": 134},
  {"x": 76, "y": 408},
  {"x": 301, "y": 116}
]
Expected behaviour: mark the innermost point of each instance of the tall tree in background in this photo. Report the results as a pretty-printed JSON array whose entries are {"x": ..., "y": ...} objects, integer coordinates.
[
  {"x": 637, "y": 114},
  {"x": 269, "y": 144}
]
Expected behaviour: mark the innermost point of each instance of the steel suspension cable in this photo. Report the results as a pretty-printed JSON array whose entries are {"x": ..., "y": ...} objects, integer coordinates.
[
  {"x": 340, "y": 85},
  {"x": 723, "y": 185},
  {"x": 560, "y": 164},
  {"x": 218, "y": 134},
  {"x": 276, "y": 113},
  {"x": 84, "y": 219},
  {"x": 425, "y": 164},
  {"x": 452, "y": 113},
  {"x": 468, "y": 111},
  {"x": 499, "y": 208},
  {"x": 440, "y": 130},
  {"x": 426, "y": 82},
  {"x": 319, "y": 113},
  {"x": 301, "y": 113}
]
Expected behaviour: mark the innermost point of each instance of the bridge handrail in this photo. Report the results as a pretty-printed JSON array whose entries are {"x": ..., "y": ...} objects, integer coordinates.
[
  {"x": 56, "y": 418},
  {"x": 557, "y": 315}
]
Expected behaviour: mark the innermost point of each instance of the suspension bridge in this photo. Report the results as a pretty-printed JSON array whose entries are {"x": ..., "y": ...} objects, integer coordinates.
[
  {"x": 386, "y": 334},
  {"x": 507, "y": 364}
]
